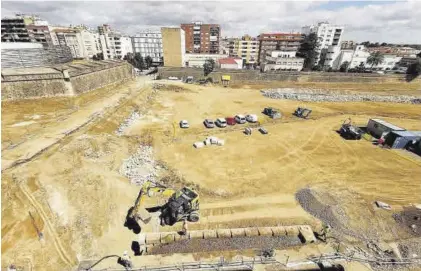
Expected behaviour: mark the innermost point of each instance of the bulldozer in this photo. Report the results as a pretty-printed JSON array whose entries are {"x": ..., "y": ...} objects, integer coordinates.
[
  {"x": 348, "y": 131},
  {"x": 302, "y": 112},
  {"x": 181, "y": 205}
]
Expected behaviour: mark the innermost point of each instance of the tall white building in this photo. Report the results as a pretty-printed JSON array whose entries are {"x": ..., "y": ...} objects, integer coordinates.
[
  {"x": 328, "y": 35},
  {"x": 149, "y": 43},
  {"x": 113, "y": 44},
  {"x": 83, "y": 43}
]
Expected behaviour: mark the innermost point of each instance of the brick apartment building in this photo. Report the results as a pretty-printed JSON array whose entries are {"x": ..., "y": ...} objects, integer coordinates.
[
  {"x": 202, "y": 38},
  {"x": 277, "y": 42}
]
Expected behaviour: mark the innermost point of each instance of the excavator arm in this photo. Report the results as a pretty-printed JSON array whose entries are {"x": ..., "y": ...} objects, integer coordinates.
[{"x": 138, "y": 211}]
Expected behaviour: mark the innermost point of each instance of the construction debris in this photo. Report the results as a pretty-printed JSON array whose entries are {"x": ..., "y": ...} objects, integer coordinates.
[
  {"x": 128, "y": 122},
  {"x": 140, "y": 167},
  {"x": 211, "y": 140},
  {"x": 312, "y": 95},
  {"x": 383, "y": 205}
]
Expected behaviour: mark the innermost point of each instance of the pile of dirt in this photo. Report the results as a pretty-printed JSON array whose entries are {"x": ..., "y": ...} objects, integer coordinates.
[
  {"x": 410, "y": 219},
  {"x": 223, "y": 244},
  {"x": 164, "y": 87}
]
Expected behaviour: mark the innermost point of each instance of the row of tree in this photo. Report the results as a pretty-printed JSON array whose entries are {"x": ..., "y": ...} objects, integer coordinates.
[{"x": 138, "y": 61}]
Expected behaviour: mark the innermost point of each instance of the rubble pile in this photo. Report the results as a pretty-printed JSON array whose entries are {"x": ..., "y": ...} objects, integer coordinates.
[
  {"x": 314, "y": 95},
  {"x": 128, "y": 122},
  {"x": 141, "y": 166}
]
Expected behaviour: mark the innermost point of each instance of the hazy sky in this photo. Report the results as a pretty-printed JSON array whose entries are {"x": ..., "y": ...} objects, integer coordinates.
[{"x": 388, "y": 21}]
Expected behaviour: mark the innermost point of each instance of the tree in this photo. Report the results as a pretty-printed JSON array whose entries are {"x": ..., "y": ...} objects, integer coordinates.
[
  {"x": 139, "y": 63},
  {"x": 148, "y": 61},
  {"x": 344, "y": 66},
  {"x": 419, "y": 55},
  {"x": 383, "y": 44},
  {"x": 361, "y": 67},
  {"x": 415, "y": 68},
  {"x": 208, "y": 66},
  {"x": 99, "y": 56},
  {"x": 308, "y": 50},
  {"x": 375, "y": 59}
]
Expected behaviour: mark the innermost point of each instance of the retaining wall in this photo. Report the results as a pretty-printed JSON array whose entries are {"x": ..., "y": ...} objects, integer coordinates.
[
  {"x": 64, "y": 80},
  {"x": 250, "y": 76}
]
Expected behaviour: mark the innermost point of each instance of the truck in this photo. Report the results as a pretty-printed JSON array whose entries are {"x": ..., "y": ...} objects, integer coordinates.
[{"x": 272, "y": 112}]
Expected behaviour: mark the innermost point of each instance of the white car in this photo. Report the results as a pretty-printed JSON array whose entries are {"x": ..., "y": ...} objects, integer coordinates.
[
  {"x": 184, "y": 124},
  {"x": 240, "y": 119},
  {"x": 251, "y": 118},
  {"x": 221, "y": 122}
]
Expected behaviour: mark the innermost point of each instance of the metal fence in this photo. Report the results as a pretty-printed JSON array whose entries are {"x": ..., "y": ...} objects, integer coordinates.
[{"x": 35, "y": 57}]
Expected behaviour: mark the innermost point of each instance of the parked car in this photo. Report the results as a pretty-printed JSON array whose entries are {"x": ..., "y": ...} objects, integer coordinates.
[
  {"x": 184, "y": 124},
  {"x": 221, "y": 122},
  {"x": 240, "y": 119},
  {"x": 251, "y": 118},
  {"x": 230, "y": 120},
  {"x": 263, "y": 131},
  {"x": 209, "y": 123}
]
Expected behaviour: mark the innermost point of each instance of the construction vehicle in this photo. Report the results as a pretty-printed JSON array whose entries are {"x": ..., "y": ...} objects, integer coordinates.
[
  {"x": 302, "y": 112},
  {"x": 225, "y": 79},
  {"x": 181, "y": 205},
  {"x": 271, "y": 112},
  {"x": 348, "y": 131}
]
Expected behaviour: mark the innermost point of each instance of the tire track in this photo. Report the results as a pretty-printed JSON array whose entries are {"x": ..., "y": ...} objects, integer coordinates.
[{"x": 56, "y": 240}]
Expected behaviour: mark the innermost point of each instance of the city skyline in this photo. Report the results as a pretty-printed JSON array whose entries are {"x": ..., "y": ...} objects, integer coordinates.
[{"x": 385, "y": 21}]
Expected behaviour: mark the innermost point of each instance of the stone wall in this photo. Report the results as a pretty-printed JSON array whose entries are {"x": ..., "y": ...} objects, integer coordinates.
[
  {"x": 63, "y": 80},
  {"x": 250, "y": 76}
]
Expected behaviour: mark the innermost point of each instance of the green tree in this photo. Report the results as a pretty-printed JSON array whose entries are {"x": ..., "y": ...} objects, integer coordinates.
[
  {"x": 375, "y": 59},
  {"x": 361, "y": 67},
  {"x": 148, "y": 61},
  {"x": 344, "y": 66},
  {"x": 308, "y": 50},
  {"x": 419, "y": 54},
  {"x": 139, "y": 63},
  {"x": 99, "y": 56},
  {"x": 208, "y": 66}
]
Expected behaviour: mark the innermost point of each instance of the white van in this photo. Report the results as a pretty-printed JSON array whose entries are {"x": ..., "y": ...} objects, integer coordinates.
[
  {"x": 221, "y": 122},
  {"x": 251, "y": 118},
  {"x": 240, "y": 119}
]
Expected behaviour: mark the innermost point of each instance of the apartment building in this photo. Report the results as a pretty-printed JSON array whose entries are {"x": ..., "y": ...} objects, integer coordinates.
[
  {"x": 113, "y": 44},
  {"x": 328, "y": 35},
  {"x": 285, "y": 60},
  {"x": 149, "y": 43},
  {"x": 173, "y": 46},
  {"x": 358, "y": 56},
  {"x": 198, "y": 60},
  {"x": 25, "y": 28},
  {"x": 247, "y": 48},
  {"x": 270, "y": 42},
  {"x": 70, "y": 37},
  {"x": 348, "y": 44},
  {"x": 202, "y": 38}
]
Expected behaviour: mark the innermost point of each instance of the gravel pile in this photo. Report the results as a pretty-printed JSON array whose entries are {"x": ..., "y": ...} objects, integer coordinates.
[
  {"x": 140, "y": 167},
  {"x": 128, "y": 122},
  {"x": 332, "y": 215},
  {"x": 220, "y": 244},
  {"x": 314, "y": 95}
]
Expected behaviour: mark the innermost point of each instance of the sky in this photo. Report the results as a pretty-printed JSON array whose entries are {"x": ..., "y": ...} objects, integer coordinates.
[{"x": 375, "y": 21}]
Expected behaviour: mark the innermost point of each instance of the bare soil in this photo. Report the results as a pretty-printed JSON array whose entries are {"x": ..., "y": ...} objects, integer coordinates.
[{"x": 79, "y": 200}]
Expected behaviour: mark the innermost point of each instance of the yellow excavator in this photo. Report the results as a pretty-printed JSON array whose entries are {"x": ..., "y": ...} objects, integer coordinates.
[{"x": 182, "y": 205}]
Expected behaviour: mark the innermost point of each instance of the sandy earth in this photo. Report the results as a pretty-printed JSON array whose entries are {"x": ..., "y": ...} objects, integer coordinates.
[{"x": 79, "y": 200}]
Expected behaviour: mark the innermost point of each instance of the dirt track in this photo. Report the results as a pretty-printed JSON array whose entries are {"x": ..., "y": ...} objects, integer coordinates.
[{"x": 80, "y": 200}]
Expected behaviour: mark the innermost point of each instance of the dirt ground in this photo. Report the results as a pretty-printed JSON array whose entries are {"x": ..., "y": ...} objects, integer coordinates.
[{"x": 79, "y": 201}]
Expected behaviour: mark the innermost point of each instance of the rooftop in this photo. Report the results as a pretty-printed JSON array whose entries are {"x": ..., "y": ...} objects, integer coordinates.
[
  {"x": 230, "y": 60},
  {"x": 389, "y": 125}
]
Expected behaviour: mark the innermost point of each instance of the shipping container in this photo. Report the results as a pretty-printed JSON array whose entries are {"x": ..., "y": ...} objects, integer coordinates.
[
  {"x": 401, "y": 139},
  {"x": 230, "y": 120},
  {"x": 376, "y": 127}
]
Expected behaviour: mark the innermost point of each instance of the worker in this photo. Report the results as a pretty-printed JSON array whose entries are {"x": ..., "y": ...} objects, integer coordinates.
[
  {"x": 125, "y": 260},
  {"x": 184, "y": 227}
]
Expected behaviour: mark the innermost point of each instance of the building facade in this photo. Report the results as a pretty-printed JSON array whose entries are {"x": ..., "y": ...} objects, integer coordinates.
[
  {"x": 70, "y": 37},
  {"x": 328, "y": 35},
  {"x": 197, "y": 60},
  {"x": 285, "y": 60},
  {"x": 202, "y": 38},
  {"x": 267, "y": 43},
  {"x": 247, "y": 48},
  {"x": 173, "y": 46},
  {"x": 113, "y": 44},
  {"x": 232, "y": 63},
  {"x": 24, "y": 28},
  {"x": 348, "y": 44},
  {"x": 149, "y": 43}
]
